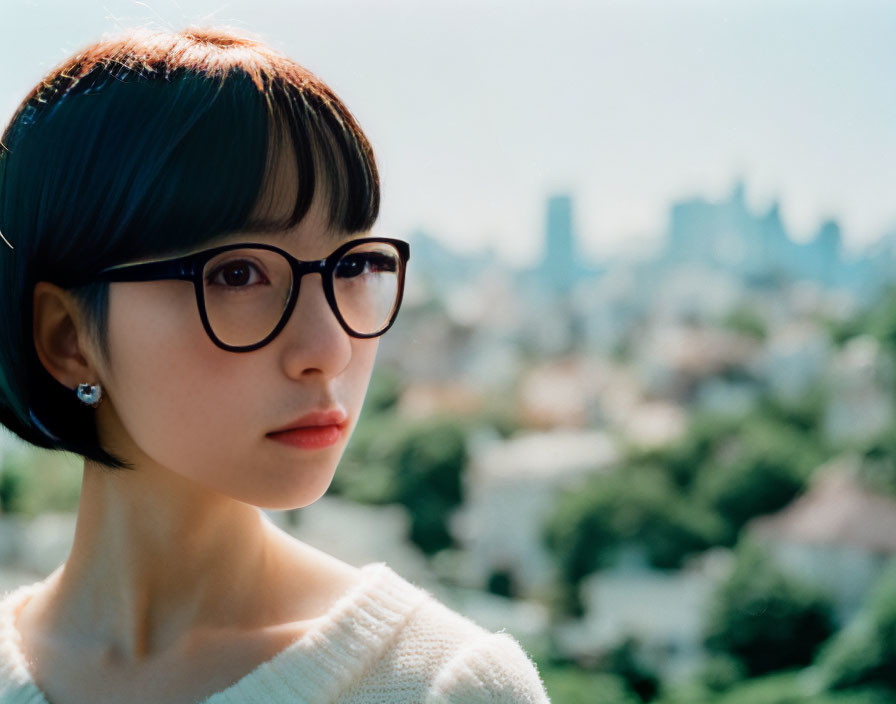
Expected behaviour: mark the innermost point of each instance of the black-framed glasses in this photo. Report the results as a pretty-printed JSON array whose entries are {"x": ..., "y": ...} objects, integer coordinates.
[{"x": 246, "y": 292}]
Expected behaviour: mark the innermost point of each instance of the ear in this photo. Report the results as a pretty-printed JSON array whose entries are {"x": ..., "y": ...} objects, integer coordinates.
[{"x": 60, "y": 337}]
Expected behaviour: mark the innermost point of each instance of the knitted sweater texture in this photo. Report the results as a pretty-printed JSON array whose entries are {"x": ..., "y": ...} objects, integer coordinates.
[{"x": 385, "y": 640}]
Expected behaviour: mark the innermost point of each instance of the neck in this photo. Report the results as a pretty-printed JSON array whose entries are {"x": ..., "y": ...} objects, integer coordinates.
[{"x": 156, "y": 557}]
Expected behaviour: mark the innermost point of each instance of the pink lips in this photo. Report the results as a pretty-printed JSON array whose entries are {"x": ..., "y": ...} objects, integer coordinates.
[{"x": 313, "y": 431}]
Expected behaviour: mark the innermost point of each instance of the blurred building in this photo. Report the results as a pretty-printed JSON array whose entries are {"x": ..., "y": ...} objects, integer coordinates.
[
  {"x": 662, "y": 611},
  {"x": 560, "y": 264},
  {"x": 35, "y": 546},
  {"x": 510, "y": 488},
  {"x": 358, "y": 534},
  {"x": 756, "y": 247},
  {"x": 860, "y": 381},
  {"x": 793, "y": 358},
  {"x": 673, "y": 358},
  {"x": 838, "y": 535}
]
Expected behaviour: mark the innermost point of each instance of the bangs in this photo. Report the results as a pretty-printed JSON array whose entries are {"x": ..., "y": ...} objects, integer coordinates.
[{"x": 137, "y": 167}]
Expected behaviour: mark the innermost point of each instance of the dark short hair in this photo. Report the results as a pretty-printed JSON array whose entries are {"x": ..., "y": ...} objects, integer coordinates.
[{"x": 145, "y": 144}]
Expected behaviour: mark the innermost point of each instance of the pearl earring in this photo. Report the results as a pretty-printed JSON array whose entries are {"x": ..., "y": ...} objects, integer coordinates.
[{"x": 90, "y": 394}]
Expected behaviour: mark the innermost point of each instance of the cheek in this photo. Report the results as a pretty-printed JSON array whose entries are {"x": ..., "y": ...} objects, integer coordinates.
[
  {"x": 352, "y": 386},
  {"x": 166, "y": 382}
]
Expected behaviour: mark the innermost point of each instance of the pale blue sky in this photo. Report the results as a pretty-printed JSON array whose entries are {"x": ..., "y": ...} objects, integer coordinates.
[{"x": 478, "y": 109}]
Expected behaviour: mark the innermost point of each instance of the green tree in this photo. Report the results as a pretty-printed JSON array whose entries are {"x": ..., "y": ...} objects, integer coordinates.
[
  {"x": 367, "y": 471},
  {"x": 429, "y": 478},
  {"x": 879, "y": 321},
  {"x": 569, "y": 685},
  {"x": 877, "y": 470},
  {"x": 758, "y": 470},
  {"x": 419, "y": 465},
  {"x": 684, "y": 459},
  {"x": 765, "y": 619},
  {"x": 580, "y": 529},
  {"x": 865, "y": 651},
  {"x": 12, "y": 483},
  {"x": 746, "y": 320},
  {"x": 626, "y": 661},
  {"x": 779, "y": 688},
  {"x": 34, "y": 481},
  {"x": 803, "y": 414},
  {"x": 384, "y": 391},
  {"x": 634, "y": 506}
]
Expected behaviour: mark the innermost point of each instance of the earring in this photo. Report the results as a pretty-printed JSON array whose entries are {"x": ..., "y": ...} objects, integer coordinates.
[{"x": 91, "y": 394}]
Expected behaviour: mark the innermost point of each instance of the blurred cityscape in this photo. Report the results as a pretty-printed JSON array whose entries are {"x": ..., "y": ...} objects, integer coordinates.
[{"x": 672, "y": 478}]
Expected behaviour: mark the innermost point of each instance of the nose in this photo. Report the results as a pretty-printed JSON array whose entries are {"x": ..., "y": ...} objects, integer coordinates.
[{"x": 313, "y": 341}]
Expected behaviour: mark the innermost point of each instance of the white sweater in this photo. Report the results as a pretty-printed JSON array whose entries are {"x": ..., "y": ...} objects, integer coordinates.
[{"x": 384, "y": 641}]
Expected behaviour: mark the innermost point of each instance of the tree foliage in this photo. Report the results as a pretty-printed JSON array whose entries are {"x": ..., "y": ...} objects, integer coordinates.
[
  {"x": 625, "y": 660},
  {"x": 35, "y": 481},
  {"x": 865, "y": 651},
  {"x": 419, "y": 465},
  {"x": 641, "y": 506},
  {"x": 766, "y": 619},
  {"x": 758, "y": 470},
  {"x": 879, "y": 321},
  {"x": 568, "y": 685}
]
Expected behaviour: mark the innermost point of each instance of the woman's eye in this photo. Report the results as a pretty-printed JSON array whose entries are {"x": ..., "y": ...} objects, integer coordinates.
[
  {"x": 368, "y": 262},
  {"x": 237, "y": 274}
]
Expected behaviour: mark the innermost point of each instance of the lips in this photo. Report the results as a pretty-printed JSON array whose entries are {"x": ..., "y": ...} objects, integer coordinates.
[
  {"x": 313, "y": 431},
  {"x": 316, "y": 419}
]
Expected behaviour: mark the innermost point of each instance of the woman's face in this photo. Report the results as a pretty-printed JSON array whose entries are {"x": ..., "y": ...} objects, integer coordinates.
[{"x": 175, "y": 402}]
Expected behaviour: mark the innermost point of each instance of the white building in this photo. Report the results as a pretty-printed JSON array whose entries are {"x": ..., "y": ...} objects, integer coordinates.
[
  {"x": 794, "y": 357},
  {"x": 838, "y": 535},
  {"x": 860, "y": 382},
  {"x": 662, "y": 610},
  {"x": 511, "y": 488},
  {"x": 673, "y": 358}
]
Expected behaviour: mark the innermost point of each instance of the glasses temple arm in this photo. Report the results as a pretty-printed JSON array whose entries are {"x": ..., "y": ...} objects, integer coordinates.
[{"x": 150, "y": 271}]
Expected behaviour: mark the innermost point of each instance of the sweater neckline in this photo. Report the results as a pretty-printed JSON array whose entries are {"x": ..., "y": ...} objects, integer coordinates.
[{"x": 314, "y": 668}]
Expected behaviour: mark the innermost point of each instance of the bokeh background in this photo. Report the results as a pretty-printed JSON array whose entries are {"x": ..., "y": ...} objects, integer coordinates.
[{"x": 638, "y": 408}]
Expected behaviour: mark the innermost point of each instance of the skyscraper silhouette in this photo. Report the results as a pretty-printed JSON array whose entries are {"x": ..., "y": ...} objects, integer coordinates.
[{"x": 559, "y": 265}]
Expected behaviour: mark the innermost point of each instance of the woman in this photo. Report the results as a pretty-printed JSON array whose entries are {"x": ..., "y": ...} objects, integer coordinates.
[{"x": 192, "y": 298}]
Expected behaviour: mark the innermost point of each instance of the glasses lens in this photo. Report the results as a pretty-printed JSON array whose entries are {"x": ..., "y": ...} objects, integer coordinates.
[
  {"x": 366, "y": 283},
  {"x": 246, "y": 291}
]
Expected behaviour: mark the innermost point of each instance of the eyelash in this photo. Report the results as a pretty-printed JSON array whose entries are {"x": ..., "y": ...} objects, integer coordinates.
[
  {"x": 372, "y": 263},
  {"x": 242, "y": 262}
]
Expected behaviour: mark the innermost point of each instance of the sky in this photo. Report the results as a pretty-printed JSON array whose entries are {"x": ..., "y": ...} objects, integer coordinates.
[{"x": 478, "y": 110}]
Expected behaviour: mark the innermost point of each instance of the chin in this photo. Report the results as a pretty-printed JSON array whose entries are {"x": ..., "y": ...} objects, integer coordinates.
[
  {"x": 287, "y": 505},
  {"x": 289, "y": 498}
]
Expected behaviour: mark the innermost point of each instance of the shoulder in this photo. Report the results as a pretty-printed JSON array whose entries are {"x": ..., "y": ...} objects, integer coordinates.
[
  {"x": 446, "y": 657},
  {"x": 15, "y": 679},
  {"x": 491, "y": 668}
]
